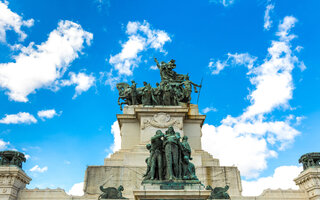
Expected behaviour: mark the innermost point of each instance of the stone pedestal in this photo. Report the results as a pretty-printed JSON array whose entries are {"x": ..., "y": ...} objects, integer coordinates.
[
  {"x": 309, "y": 181},
  {"x": 174, "y": 190},
  {"x": 137, "y": 125},
  {"x": 12, "y": 180}
]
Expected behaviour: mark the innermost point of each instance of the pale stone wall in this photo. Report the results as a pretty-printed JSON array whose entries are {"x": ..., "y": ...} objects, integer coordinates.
[{"x": 276, "y": 195}]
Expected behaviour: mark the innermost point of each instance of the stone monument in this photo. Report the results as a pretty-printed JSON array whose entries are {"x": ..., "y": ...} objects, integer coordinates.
[{"x": 161, "y": 155}]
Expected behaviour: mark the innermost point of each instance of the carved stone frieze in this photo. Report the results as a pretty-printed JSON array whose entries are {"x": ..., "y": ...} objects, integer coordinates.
[{"x": 161, "y": 120}]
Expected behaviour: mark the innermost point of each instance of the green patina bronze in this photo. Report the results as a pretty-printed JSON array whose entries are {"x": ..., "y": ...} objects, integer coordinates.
[
  {"x": 169, "y": 160},
  {"x": 218, "y": 192},
  {"x": 111, "y": 193},
  {"x": 12, "y": 158},
  {"x": 310, "y": 160},
  {"x": 173, "y": 89}
]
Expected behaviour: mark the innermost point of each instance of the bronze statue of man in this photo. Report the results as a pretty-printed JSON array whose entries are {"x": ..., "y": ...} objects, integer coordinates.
[
  {"x": 189, "y": 171},
  {"x": 134, "y": 93},
  {"x": 156, "y": 95},
  {"x": 171, "y": 147},
  {"x": 186, "y": 149},
  {"x": 147, "y": 175},
  {"x": 146, "y": 94},
  {"x": 167, "y": 93},
  {"x": 156, "y": 158},
  {"x": 188, "y": 88}
]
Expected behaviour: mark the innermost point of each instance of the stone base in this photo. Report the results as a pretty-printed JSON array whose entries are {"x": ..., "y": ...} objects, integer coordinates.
[
  {"x": 172, "y": 185},
  {"x": 171, "y": 194},
  {"x": 178, "y": 189}
]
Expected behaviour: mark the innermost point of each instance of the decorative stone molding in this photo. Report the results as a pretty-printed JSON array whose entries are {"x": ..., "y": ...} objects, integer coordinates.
[
  {"x": 12, "y": 180},
  {"x": 309, "y": 181},
  {"x": 161, "y": 120}
]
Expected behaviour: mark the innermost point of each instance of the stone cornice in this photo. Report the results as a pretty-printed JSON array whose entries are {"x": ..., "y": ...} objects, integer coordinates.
[{"x": 15, "y": 172}]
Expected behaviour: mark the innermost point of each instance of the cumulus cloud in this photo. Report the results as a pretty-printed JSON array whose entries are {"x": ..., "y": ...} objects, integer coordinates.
[
  {"x": 232, "y": 59},
  {"x": 40, "y": 66},
  {"x": 273, "y": 78},
  {"x": 252, "y": 137},
  {"x": 141, "y": 37},
  {"x": 38, "y": 169},
  {"x": 208, "y": 109},
  {"x": 3, "y": 144},
  {"x": 76, "y": 189},
  {"x": 12, "y": 21},
  {"x": 115, "y": 130},
  {"x": 281, "y": 179},
  {"x": 267, "y": 20},
  {"x": 19, "y": 118},
  {"x": 47, "y": 114},
  {"x": 153, "y": 67},
  {"x": 225, "y": 3},
  {"x": 82, "y": 81}
]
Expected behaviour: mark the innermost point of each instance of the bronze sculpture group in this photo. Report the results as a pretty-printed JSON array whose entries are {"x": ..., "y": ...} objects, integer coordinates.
[
  {"x": 12, "y": 158},
  {"x": 169, "y": 157},
  {"x": 173, "y": 89},
  {"x": 310, "y": 160}
]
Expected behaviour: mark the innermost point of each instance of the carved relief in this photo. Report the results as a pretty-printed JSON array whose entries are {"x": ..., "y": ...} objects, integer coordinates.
[{"x": 161, "y": 120}]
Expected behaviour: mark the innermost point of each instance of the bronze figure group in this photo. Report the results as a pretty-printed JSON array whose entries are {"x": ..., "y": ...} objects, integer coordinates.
[
  {"x": 12, "y": 158},
  {"x": 173, "y": 89},
  {"x": 310, "y": 160},
  {"x": 169, "y": 157}
]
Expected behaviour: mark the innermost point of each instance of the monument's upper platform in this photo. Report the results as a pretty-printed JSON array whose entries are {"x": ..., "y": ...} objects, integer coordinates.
[
  {"x": 138, "y": 123},
  {"x": 173, "y": 89}
]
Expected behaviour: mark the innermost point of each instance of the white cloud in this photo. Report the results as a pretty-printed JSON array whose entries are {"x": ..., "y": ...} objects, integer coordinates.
[
  {"x": 273, "y": 78},
  {"x": 115, "y": 130},
  {"x": 217, "y": 66},
  {"x": 247, "y": 152},
  {"x": 12, "y": 21},
  {"x": 281, "y": 179},
  {"x": 82, "y": 80},
  {"x": 225, "y": 3},
  {"x": 40, "y": 66},
  {"x": 154, "y": 67},
  {"x": 3, "y": 144},
  {"x": 43, "y": 114},
  {"x": 234, "y": 59},
  {"x": 267, "y": 21},
  {"x": 20, "y": 118},
  {"x": 298, "y": 48},
  {"x": 208, "y": 109},
  {"x": 36, "y": 168},
  {"x": 252, "y": 138},
  {"x": 27, "y": 156},
  {"x": 141, "y": 37},
  {"x": 284, "y": 28},
  {"x": 76, "y": 189}
]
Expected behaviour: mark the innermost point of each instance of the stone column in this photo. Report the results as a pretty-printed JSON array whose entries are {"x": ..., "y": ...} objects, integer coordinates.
[{"x": 12, "y": 180}]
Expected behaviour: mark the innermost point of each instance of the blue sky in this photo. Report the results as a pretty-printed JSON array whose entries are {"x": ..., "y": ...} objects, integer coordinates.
[{"x": 60, "y": 60}]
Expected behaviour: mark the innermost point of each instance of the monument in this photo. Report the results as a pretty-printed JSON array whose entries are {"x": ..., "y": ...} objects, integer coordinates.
[{"x": 161, "y": 156}]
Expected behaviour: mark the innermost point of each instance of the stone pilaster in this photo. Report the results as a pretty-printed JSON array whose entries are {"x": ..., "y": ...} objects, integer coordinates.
[
  {"x": 309, "y": 181},
  {"x": 12, "y": 180}
]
